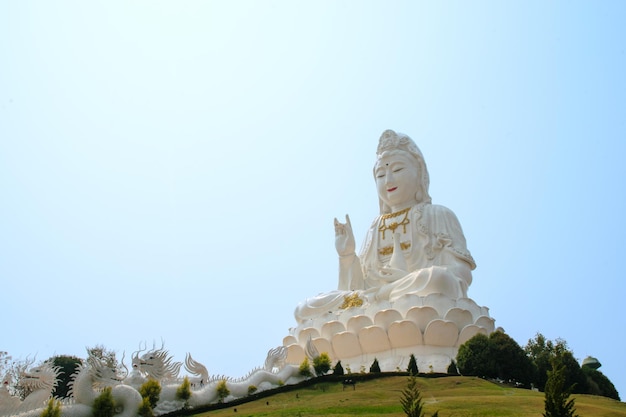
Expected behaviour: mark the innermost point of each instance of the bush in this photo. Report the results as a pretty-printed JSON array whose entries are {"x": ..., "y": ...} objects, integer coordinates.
[
  {"x": 412, "y": 368},
  {"x": 452, "y": 368},
  {"x": 145, "y": 409},
  {"x": 375, "y": 368},
  {"x": 184, "y": 391},
  {"x": 222, "y": 390},
  {"x": 321, "y": 364},
  {"x": 103, "y": 405},
  {"x": 53, "y": 409},
  {"x": 151, "y": 389},
  {"x": 252, "y": 389},
  {"x": 305, "y": 368},
  {"x": 338, "y": 369}
]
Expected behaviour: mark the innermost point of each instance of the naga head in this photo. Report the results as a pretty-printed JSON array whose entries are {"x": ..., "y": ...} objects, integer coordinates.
[
  {"x": 156, "y": 364},
  {"x": 7, "y": 380},
  {"x": 104, "y": 372},
  {"x": 43, "y": 376}
]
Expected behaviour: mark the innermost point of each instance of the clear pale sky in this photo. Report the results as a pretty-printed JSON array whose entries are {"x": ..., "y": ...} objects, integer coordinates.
[{"x": 171, "y": 170}]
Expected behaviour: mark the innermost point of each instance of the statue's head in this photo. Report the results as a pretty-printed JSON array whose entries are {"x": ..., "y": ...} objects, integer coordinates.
[{"x": 400, "y": 147}]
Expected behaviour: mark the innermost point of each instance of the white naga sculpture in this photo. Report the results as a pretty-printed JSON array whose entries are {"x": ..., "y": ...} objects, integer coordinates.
[
  {"x": 406, "y": 292},
  {"x": 39, "y": 381},
  {"x": 87, "y": 382},
  {"x": 96, "y": 373},
  {"x": 157, "y": 364}
]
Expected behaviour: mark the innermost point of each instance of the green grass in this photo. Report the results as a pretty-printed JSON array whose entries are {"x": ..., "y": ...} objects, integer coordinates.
[{"x": 452, "y": 396}]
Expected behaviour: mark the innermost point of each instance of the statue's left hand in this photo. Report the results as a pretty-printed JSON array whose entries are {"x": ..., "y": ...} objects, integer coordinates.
[{"x": 344, "y": 238}]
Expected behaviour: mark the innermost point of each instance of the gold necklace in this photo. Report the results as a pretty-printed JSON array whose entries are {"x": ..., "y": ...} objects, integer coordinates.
[{"x": 393, "y": 226}]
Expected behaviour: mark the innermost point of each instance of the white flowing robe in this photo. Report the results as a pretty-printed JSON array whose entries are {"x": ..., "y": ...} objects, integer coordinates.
[{"x": 434, "y": 251}]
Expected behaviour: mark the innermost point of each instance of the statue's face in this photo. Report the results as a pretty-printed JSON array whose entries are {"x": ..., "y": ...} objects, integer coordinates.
[{"x": 397, "y": 180}]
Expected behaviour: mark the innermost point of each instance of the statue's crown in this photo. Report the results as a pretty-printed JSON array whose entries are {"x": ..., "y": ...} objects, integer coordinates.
[{"x": 391, "y": 140}]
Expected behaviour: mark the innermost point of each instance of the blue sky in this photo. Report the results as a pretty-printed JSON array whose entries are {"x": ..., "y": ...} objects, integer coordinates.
[{"x": 170, "y": 170}]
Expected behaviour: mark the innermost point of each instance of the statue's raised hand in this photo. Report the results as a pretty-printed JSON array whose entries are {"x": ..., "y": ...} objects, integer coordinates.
[{"x": 344, "y": 238}]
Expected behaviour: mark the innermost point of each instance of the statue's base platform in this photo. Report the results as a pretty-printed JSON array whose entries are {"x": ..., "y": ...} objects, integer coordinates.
[{"x": 432, "y": 328}]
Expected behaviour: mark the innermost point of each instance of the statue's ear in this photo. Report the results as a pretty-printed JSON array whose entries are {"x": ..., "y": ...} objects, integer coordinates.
[{"x": 419, "y": 195}]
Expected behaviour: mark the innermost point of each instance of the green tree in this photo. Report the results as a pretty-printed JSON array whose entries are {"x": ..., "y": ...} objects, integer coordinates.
[
  {"x": 495, "y": 356},
  {"x": 305, "y": 368},
  {"x": 474, "y": 358},
  {"x": 510, "y": 362},
  {"x": 53, "y": 409},
  {"x": 338, "y": 369},
  {"x": 574, "y": 375},
  {"x": 183, "y": 392},
  {"x": 599, "y": 384},
  {"x": 222, "y": 391},
  {"x": 557, "y": 401},
  {"x": 412, "y": 368},
  {"x": 151, "y": 389},
  {"x": 321, "y": 364},
  {"x": 540, "y": 350},
  {"x": 411, "y": 399},
  {"x": 104, "y": 405},
  {"x": 541, "y": 353},
  {"x": 67, "y": 366},
  {"x": 375, "y": 368}
]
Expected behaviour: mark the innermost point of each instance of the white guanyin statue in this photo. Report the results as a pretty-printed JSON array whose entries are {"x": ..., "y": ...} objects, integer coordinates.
[{"x": 406, "y": 292}]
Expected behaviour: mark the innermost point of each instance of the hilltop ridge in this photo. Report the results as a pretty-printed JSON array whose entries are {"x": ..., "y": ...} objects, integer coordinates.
[{"x": 449, "y": 395}]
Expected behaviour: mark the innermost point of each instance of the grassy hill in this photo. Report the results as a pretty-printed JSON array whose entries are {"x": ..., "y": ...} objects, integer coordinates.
[{"x": 451, "y": 396}]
